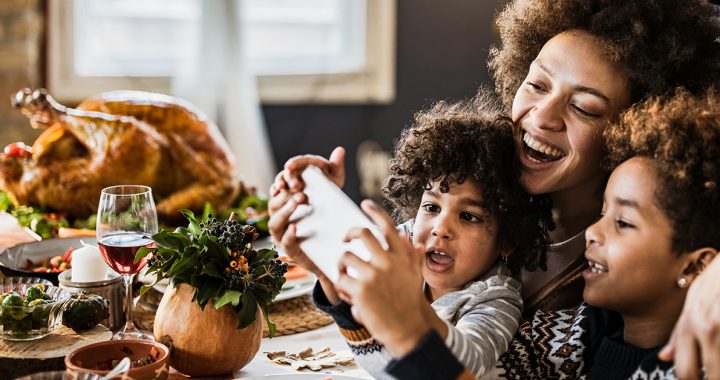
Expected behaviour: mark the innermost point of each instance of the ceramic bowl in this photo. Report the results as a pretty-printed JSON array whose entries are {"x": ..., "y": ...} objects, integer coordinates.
[
  {"x": 25, "y": 322},
  {"x": 87, "y": 359},
  {"x": 14, "y": 259}
]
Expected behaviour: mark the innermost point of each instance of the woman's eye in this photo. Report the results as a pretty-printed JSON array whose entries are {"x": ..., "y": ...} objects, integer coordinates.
[
  {"x": 535, "y": 87},
  {"x": 585, "y": 113}
]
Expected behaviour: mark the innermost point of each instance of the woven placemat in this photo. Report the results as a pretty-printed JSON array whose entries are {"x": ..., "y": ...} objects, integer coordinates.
[
  {"x": 296, "y": 315},
  {"x": 290, "y": 316}
]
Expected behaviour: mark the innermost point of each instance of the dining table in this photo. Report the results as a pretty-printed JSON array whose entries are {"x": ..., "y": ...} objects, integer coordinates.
[{"x": 316, "y": 336}]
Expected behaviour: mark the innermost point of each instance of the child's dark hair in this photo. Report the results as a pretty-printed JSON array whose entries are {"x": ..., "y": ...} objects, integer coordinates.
[
  {"x": 681, "y": 135},
  {"x": 659, "y": 44},
  {"x": 471, "y": 140}
]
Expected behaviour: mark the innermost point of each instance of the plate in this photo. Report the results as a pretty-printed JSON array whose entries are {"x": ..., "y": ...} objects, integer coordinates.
[
  {"x": 13, "y": 258},
  {"x": 308, "y": 376},
  {"x": 296, "y": 291}
]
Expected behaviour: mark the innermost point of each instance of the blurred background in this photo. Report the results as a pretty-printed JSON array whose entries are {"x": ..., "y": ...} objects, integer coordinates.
[{"x": 280, "y": 77}]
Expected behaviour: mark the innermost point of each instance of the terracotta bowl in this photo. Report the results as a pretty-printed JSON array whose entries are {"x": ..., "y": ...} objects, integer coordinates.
[{"x": 86, "y": 359}]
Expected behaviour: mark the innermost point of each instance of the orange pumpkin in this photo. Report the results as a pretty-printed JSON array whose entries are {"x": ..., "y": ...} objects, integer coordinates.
[{"x": 204, "y": 342}]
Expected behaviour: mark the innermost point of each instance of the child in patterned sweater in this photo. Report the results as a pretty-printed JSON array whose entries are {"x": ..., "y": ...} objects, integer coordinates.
[{"x": 456, "y": 174}]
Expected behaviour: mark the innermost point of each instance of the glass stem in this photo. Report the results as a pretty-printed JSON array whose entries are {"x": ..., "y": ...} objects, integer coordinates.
[{"x": 129, "y": 325}]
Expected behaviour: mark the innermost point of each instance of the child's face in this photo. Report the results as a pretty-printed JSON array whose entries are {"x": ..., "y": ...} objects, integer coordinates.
[
  {"x": 458, "y": 234},
  {"x": 633, "y": 269}
]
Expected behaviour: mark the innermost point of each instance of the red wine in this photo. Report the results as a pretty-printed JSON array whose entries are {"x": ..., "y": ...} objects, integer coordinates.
[{"x": 119, "y": 251}]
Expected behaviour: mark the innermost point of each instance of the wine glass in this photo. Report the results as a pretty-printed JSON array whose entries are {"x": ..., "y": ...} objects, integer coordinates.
[{"x": 126, "y": 221}]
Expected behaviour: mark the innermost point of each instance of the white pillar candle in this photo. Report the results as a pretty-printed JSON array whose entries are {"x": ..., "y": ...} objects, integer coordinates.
[{"x": 88, "y": 265}]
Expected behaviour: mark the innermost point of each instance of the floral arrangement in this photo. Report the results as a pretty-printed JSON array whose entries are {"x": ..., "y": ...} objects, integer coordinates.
[{"x": 218, "y": 260}]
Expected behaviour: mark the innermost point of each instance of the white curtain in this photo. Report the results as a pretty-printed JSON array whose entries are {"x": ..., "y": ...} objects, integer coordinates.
[{"x": 215, "y": 77}]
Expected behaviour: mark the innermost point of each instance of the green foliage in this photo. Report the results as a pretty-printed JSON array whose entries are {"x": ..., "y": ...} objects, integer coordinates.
[
  {"x": 218, "y": 260},
  {"x": 250, "y": 209},
  {"x": 6, "y": 204},
  {"x": 38, "y": 219}
]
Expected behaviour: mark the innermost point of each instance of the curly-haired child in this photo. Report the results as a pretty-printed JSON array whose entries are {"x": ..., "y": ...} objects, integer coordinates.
[
  {"x": 658, "y": 230},
  {"x": 455, "y": 173}
]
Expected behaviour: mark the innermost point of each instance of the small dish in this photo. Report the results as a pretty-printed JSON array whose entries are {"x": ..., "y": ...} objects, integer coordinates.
[
  {"x": 87, "y": 359},
  {"x": 20, "y": 321},
  {"x": 13, "y": 259}
]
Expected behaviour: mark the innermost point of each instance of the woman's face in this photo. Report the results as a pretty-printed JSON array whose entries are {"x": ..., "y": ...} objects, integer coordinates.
[{"x": 570, "y": 93}]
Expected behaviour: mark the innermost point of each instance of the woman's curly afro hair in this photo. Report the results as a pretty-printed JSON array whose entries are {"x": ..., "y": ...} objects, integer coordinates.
[
  {"x": 471, "y": 140},
  {"x": 660, "y": 44},
  {"x": 681, "y": 135}
]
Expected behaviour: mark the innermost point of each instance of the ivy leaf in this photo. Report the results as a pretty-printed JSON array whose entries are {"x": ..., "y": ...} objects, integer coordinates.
[
  {"x": 212, "y": 269},
  {"x": 263, "y": 254},
  {"x": 248, "y": 311},
  {"x": 142, "y": 252},
  {"x": 166, "y": 239},
  {"x": 194, "y": 226},
  {"x": 271, "y": 326},
  {"x": 230, "y": 296}
]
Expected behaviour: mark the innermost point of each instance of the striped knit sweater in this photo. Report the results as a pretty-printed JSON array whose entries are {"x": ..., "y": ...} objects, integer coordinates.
[{"x": 481, "y": 318}]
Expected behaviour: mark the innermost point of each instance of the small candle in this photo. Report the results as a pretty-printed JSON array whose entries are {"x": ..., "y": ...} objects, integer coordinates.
[{"x": 88, "y": 265}]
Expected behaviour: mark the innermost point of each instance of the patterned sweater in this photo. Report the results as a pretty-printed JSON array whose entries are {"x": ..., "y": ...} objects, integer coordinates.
[
  {"x": 580, "y": 343},
  {"x": 481, "y": 318}
]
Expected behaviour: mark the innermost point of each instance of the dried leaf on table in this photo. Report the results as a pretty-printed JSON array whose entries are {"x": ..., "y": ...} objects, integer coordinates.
[
  {"x": 313, "y": 361},
  {"x": 274, "y": 354}
]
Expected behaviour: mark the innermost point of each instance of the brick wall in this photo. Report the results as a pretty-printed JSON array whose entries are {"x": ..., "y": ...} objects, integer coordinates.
[{"x": 21, "y": 44}]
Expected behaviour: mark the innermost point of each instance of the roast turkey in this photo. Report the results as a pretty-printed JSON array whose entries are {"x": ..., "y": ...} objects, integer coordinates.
[{"x": 119, "y": 137}]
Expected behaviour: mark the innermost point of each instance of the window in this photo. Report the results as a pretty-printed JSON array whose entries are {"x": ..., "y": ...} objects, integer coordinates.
[{"x": 303, "y": 51}]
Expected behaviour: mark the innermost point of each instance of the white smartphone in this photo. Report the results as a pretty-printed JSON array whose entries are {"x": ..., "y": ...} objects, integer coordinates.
[{"x": 325, "y": 221}]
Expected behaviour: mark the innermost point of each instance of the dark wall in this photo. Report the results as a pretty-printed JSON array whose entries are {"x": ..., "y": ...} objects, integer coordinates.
[{"x": 442, "y": 48}]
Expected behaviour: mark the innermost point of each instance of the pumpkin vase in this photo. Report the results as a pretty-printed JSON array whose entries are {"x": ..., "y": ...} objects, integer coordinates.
[{"x": 204, "y": 342}]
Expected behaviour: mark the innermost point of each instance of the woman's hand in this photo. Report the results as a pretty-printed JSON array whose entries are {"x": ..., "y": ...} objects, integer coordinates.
[
  {"x": 695, "y": 342},
  {"x": 386, "y": 292}
]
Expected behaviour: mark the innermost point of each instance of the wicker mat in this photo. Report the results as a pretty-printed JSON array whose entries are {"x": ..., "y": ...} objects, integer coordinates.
[{"x": 290, "y": 316}]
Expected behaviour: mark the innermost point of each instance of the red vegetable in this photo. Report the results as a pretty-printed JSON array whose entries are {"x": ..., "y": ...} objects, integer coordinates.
[
  {"x": 17, "y": 149},
  {"x": 67, "y": 256}
]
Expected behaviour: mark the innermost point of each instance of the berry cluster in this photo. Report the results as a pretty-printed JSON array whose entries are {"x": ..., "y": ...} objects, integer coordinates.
[
  {"x": 230, "y": 233},
  {"x": 236, "y": 280}
]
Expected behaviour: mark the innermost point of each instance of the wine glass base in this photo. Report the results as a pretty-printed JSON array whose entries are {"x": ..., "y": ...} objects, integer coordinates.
[{"x": 136, "y": 334}]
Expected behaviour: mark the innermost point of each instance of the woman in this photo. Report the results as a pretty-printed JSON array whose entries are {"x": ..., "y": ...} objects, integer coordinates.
[{"x": 567, "y": 68}]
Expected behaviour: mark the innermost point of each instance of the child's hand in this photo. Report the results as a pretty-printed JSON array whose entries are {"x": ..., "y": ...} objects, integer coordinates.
[
  {"x": 386, "y": 293},
  {"x": 284, "y": 235},
  {"x": 289, "y": 178},
  {"x": 283, "y": 232}
]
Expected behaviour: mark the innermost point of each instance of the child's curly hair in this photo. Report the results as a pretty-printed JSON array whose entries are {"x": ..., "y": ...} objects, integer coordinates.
[
  {"x": 681, "y": 135},
  {"x": 660, "y": 44},
  {"x": 471, "y": 140}
]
